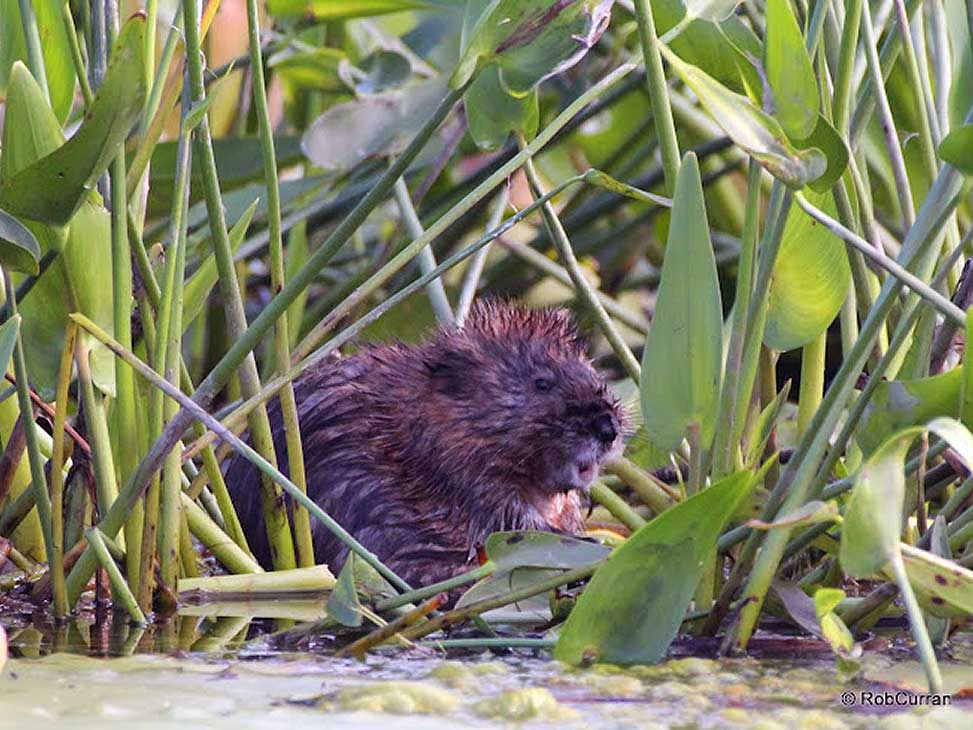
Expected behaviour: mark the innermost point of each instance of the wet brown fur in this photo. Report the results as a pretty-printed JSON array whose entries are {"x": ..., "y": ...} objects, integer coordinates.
[{"x": 421, "y": 451}]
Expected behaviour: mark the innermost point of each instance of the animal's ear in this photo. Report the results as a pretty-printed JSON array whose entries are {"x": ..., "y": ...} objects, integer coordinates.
[{"x": 451, "y": 370}]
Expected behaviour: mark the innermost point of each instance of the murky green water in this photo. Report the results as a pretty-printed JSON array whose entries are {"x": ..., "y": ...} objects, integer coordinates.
[{"x": 218, "y": 685}]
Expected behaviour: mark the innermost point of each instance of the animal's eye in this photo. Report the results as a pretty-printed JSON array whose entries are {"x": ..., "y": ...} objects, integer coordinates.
[{"x": 544, "y": 384}]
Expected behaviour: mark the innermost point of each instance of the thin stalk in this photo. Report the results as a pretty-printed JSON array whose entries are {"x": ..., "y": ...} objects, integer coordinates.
[
  {"x": 812, "y": 380},
  {"x": 846, "y": 64},
  {"x": 360, "y": 647},
  {"x": 35, "y": 55},
  {"x": 617, "y": 506},
  {"x": 471, "y": 279},
  {"x": 917, "y": 622},
  {"x": 655, "y": 77},
  {"x": 61, "y": 607},
  {"x": 76, "y": 58},
  {"x": 121, "y": 592},
  {"x": 274, "y": 509},
  {"x": 427, "y": 259},
  {"x": 239, "y": 445},
  {"x": 37, "y": 479},
  {"x": 443, "y": 586},
  {"x": 657, "y": 496},
  {"x": 231, "y": 556},
  {"x": 732, "y": 409},
  {"x": 892, "y": 146},
  {"x": 583, "y": 289}
]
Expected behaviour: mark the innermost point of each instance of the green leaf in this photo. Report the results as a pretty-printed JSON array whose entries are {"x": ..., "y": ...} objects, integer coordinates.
[
  {"x": 373, "y": 126},
  {"x": 343, "y": 604},
  {"x": 810, "y": 280},
  {"x": 943, "y": 587},
  {"x": 897, "y": 404},
  {"x": 826, "y": 139},
  {"x": 966, "y": 383},
  {"x": 789, "y": 72},
  {"x": 687, "y": 327},
  {"x": 18, "y": 247},
  {"x": 603, "y": 180},
  {"x": 957, "y": 149},
  {"x": 873, "y": 519},
  {"x": 528, "y": 40},
  {"x": 58, "y": 66},
  {"x": 712, "y": 10},
  {"x": 810, "y": 514},
  {"x": 633, "y": 607},
  {"x": 8, "y": 339},
  {"x": 52, "y": 188},
  {"x": 330, "y": 10},
  {"x": 750, "y": 128},
  {"x": 493, "y": 113},
  {"x": 318, "y": 68}
]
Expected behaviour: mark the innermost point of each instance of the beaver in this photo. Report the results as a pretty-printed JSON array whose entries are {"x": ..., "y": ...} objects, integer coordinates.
[{"x": 421, "y": 451}]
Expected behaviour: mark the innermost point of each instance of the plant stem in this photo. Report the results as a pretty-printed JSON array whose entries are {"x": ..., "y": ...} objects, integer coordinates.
[
  {"x": 282, "y": 355},
  {"x": 583, "y": 289},
  {"x": 665, "y": 128},
  {"x": 122, "y": 593},
  {"x": 617, "y": 506}
]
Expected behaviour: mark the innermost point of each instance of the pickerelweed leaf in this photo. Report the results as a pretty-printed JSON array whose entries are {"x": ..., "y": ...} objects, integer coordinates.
[
  {"x": 372, "y": 126},
  {"x": 528, "y": 40},
  {"x": 687, "y": 328},
  {"x": 826, "y": 139},
  {"x": 711, "y": 10},
  {"x": 898, "y": 404},
  {"x": 943, "y": 587},
  {"x": 873, "y": 520},
  {"x": 18, "y": 247},
  {"x": 52, "y": 188},
  {"x": 633, "y": 607},
  {"x": 750, "y": 128},
  {"x": 810, "y": 280},
  {"x": 493, "y": 113},
  {"x": 957, "y": 149},
  {"x": 789, "y": 72}
]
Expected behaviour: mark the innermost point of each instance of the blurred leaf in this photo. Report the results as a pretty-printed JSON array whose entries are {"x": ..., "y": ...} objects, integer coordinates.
[
  {"x": 835, "y": 631},
  {"x": 966, "y": 384},
  {"x": 957, "y": 149},
  {"x": 687, "y": 328},
  {"x": 296, "y": 257},
  {"x": 535, "y": 549},
  {"x": 763, "y": 428},
  {"x": 373, "y": 126},
  {"x": 18, "y": 247},
  {"x": 383, "y": 70},
  {"x": 493, "y": 113},
  {"x": 712, "y": 10},
  {"x": 826, "y": 139},
  {"x": 798, "y": 605},
  {"x": 199, "y": 285},
  {"x": 960, "y": 93},
  {"x": 199, "y": 109},
  {"x": 607, "y": 182},
  {"x": 810, "y": 514},
  {"x": 943, "y": 587},
  {"x": 751, "y": 129},
  {"x": 897, "y": 404},
  {"x": 528, "y": 40},
  {"x": 873, "y": 520},
  {"x": 53, "y": 187},
  {"x": 343, "y": 604},
  {"x": 316, "y": 69},
  {"x": 330, "y": 10},
  {"x": 789, "y": 72},
  {"x": 80, "y": 280},
  {"x": 58, "y": 65},
  {"x": 810, "y": 280},
  {"x": 8, "y": 339},
  {"x": 635, "y": 603}
]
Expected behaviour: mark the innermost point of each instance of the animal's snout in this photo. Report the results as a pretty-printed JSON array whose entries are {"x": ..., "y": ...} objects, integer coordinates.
[{"x": 604, "y": 428}]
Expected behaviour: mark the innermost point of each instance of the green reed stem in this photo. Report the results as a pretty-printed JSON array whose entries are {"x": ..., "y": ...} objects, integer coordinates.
[
  {"x": 655, "y": 78},
  {"x": 582, "y": 287},
  {"x": 61, "y": 607},
  {"x": 274, "y": 509},
  {"x": 120, "y": 590},
  {"x": 617, "y": 506}
]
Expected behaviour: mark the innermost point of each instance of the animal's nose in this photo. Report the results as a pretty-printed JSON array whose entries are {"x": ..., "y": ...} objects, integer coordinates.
[{"x": 603, "y": 427}]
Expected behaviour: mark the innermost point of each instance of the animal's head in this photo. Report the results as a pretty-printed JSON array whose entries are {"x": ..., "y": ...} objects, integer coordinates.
[{"x": 519, "y": 383}]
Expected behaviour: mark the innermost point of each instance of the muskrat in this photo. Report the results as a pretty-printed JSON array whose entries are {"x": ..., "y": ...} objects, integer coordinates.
[{"x": 421, "y": 451}]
